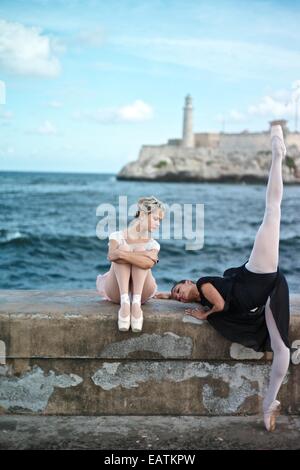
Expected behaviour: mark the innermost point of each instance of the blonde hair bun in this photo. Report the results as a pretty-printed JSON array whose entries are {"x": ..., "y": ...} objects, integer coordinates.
[{"x": 148, "y": 204}]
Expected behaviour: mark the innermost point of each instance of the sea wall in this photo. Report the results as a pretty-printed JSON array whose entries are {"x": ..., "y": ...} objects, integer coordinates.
[{"x": 61, "y": 353}]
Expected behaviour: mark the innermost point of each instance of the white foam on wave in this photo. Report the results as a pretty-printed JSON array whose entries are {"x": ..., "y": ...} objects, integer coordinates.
[{"x": 7, "y": 236}]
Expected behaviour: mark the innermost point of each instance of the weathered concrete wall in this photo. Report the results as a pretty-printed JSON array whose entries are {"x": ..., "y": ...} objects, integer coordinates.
[
  {"x": 242, "y": 141},
  {"x": 63, "y": 354}
]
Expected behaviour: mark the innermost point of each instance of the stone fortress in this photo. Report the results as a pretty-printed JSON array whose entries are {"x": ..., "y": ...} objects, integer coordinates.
[{"x": 213, "y": 156}]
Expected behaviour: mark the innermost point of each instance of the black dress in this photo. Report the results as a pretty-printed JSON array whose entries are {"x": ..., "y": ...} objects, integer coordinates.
[{"x": 245, "y": 293}]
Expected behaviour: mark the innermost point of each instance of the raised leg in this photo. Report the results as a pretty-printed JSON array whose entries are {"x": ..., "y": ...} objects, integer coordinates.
[{"x": 265, "y": 252}]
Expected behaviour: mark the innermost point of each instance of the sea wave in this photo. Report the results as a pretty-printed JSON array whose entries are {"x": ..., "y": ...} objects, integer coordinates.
[
  {"x": 10, "y": 236},
  {"x": 175, "y": 248}
]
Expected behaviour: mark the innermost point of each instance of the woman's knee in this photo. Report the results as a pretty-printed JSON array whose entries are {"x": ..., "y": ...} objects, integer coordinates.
[
  {"x": 121, "y": 267},
  {"x": 112, "y": 287},
  {"x": 150, "y": 286},
  {"x": 137, "y": 271}
]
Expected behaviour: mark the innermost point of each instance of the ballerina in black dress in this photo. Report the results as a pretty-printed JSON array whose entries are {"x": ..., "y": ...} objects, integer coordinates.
[{"x": 250, "y": 303}]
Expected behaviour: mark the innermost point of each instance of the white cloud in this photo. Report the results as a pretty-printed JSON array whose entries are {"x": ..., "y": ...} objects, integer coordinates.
[
  {"x": 47, "y": 128},
  {"x": 137, "y": 111},
  {"x": 279, "y": 104},
  {"x": 269, "y": 106},
  {"x": 25, "y": 51}
]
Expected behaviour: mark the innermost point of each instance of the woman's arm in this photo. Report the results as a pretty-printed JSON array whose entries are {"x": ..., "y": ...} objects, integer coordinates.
[
  {"x": 143, "y": 259},
  {"x": 139, "y": 259},
  {"x": 214, "y": 297},
  {"x": 162, "y": 295}
]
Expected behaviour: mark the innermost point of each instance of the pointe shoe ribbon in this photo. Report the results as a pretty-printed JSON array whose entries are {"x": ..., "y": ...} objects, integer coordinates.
[{"x": 270, "y": 415}]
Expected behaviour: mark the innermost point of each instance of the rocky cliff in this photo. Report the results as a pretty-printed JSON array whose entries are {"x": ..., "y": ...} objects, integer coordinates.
[{"x": 223, "y": 163}]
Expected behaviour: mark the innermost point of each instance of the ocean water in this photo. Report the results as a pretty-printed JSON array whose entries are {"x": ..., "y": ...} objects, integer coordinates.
[{"x": 48, "y": 229}]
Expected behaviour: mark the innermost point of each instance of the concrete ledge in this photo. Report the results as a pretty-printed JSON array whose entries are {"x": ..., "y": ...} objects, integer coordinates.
[{"x": 65, "y": 355}]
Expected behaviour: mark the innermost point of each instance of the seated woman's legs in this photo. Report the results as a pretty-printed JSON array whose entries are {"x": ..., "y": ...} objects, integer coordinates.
[
  {"x": 117, "y": 286},
  {"x": 113, "y": 291},
  {"x": 139, "y": 277}
]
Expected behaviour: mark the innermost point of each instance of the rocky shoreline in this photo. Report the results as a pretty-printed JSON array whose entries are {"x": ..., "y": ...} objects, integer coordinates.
[{"x": 206, "y": 165}]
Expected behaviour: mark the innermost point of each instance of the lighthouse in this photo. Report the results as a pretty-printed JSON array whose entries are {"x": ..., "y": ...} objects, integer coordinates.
[{"x": 187, "y": 134}]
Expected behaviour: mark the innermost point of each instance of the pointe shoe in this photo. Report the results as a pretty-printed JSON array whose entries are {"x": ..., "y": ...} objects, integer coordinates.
[
  {"x": 124, "y": 321},
  {"x": 276, "y": 132},
  {"x": 270, "y": 415},
  {"x": 137, "y": 322}
]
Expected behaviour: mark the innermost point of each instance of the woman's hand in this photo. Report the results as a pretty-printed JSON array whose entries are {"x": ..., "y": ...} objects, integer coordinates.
[
  {"x": 115, "y": 254},
  {"x": 152, "y": 254},
  {"x": 197, "y": 313}
]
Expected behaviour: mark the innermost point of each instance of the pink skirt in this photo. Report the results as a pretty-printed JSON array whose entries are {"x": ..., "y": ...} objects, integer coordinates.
[{"x": 100, "y": 286}]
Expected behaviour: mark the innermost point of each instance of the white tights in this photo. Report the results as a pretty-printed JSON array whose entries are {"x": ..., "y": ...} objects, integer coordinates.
[
  {"x": 281, "y": 358},
  {"x": 264, "y": 259}
]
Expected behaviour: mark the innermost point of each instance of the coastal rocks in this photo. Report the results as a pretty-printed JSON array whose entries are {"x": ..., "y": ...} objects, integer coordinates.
[{"x": 204, "y": 164}]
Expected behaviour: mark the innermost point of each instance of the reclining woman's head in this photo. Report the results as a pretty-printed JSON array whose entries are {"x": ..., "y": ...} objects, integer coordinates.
[
  {"x": 185, "y": 291},
  {"x": 149, "y": 214}
]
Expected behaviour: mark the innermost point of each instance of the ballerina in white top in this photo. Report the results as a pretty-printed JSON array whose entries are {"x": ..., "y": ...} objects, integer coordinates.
[{"x": 133, "y": 253}]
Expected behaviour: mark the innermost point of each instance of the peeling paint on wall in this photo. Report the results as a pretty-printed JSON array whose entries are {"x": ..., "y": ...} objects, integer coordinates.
[
  {"x": 29, "y": 315},
  {"x": 32, "y": 390},
  {"x": 2, "y": 352},
  {"x": 230, "y": 404},
  {"x": 191, "y": 319},
  {"x": 167, "y": 345},
  {"x": 295, "y": 358},
  {"x": 3, "y": 370},
  {"x": 242, "y": 380},
  {"x": 238, "y": 351}
]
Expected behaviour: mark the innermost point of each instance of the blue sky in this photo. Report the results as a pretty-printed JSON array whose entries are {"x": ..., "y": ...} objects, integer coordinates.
[{"x": 89, "y": 82}]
